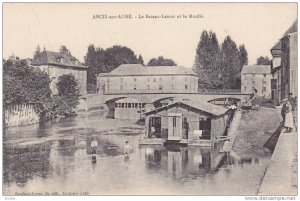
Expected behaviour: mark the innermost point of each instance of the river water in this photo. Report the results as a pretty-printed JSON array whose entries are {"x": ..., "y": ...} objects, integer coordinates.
[{"x": 66, "y": 167}]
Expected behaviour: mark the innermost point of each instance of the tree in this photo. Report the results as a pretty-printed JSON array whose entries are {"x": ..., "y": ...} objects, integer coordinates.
[
  {"x": 231, "y": 64},
  {"x": 66, "y": 100},
  {"x": 161, "y": 61},
  {"x": 141, "y": 60},
  {"x": 26, "y": 85},
  {"x": 243, "y": 55},
  {"x": 208, "y": 61},
  {"x": 263, "y": 61},
  {"x": 103, "y": 61}
]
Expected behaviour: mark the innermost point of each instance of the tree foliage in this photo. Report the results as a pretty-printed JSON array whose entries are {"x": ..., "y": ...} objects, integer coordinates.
[
  {"x": 263, "y": 61},
  {"x": 66, "y": 100},
  {"x": 219, "y": 67},
  {"x": 161, "y": 61},
  {"x": 27, "y": 85},
  {"x": 103, "y": 61}
]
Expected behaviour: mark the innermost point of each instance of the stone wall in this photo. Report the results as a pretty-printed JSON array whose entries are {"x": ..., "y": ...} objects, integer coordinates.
[{"x": 19, "y": 115}]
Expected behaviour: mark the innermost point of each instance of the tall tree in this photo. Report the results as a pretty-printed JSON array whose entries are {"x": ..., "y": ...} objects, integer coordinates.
[
  {"x": 231, "y": 65},
  {"x": 263, "y": 61},
  {"x": 141, "y": 60},
  {"x": 161, "y": 61},
  {"x": 207, "y": 61},
  {"x": 243, "y": 55}
]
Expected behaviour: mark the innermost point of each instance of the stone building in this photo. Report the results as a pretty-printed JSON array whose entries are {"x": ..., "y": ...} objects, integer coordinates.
[
  {"x": 256, "y": 77},
  {"x": 284, "y": 65},
  {"x": 135, "y": 78},
  {"x": 60, "y": 63}
]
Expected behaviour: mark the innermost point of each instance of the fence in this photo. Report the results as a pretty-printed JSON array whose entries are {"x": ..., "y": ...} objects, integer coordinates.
[{"x": 18, "y": 115}]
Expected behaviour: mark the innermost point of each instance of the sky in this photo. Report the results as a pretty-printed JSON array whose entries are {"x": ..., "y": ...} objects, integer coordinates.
[{"x": 256, "y": 25}]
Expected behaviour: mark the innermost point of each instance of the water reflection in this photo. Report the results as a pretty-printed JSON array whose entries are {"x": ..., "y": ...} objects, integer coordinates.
[
  {"x": 180, "y": 162},
  {"x": 65, "y": 163},
  {"x": 23, "y": 163}
]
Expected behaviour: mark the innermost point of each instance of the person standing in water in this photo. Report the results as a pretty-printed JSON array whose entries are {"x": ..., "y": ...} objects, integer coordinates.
[
  {"x": 94, "y": 145},
  {"x": 127, "y": 150}
]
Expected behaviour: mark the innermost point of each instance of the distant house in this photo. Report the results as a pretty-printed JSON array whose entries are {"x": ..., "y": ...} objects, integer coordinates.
[
  {"x": 187, "y": 122},
  {"x": 256, "y": 78},
  {"x": 60, "y": 63},
  {"x": 284, "y": 65},
  {"x": 135, "y": 78}
]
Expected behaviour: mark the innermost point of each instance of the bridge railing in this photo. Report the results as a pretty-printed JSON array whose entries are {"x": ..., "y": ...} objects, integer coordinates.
[{"x": 219, "y": 91}]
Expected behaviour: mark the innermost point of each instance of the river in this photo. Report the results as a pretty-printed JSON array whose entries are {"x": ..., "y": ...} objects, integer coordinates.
[{"x": 66, "y": 168}]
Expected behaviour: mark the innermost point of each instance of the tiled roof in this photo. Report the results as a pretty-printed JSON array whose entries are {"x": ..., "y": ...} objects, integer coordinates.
[
  {"x": 137, "y": 69},
  {"x": 256, "y": 69},
  {"x": 200, "y": 105},
  {"x": 55, "y": 58}
]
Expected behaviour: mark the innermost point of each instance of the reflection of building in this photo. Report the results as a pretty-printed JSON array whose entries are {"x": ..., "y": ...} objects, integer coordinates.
[
  {"x": 189, "y": 122},
  {"x": 284, "y": 65},
  {"x": 182, "y": 161},
  {"x": 60, "y": 63},
  {"x": 258, "y": 77},
  {"x": 135, "y": 78}
]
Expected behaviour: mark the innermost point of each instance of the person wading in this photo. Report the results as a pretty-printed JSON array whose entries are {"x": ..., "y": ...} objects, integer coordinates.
[
  {"x": 94, "y": 145},
  {"x": 127, "y": 150}
]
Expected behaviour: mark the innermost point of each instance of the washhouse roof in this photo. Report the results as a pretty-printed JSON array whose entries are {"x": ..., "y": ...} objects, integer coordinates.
[{"x": 200, "y": 106}]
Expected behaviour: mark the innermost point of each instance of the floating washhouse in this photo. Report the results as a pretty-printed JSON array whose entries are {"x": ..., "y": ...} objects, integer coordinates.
[{"x": 189, "y": 123}]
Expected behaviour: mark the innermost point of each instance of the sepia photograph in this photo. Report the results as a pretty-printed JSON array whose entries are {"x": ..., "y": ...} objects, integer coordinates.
[{"x": 195, "y": 99}]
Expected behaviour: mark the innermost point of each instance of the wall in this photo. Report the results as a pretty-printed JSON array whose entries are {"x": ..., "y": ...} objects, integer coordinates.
[
  {"x": 293, "y": 63},
  {"x": 54, "y": 72},
  {"x": 19, "y": 115},
  {"x": 246, "y": 85},
  {"x": 150, "y": 84}
]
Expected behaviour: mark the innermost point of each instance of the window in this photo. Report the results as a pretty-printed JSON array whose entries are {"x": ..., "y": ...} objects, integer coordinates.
[
  {"x": 136, "y": 105},
  {"x": 107, "y": 80},
  {"x": 148, "y": 87},
  {"x": 253, "y": 82},
  {"x": 154, "y": 79},
  {"x": 245, "y": 88},
  {"x": 160, "y": 87},
  {"x": 174, "y": 121},
  {"x": 265, "y": 75},
  {"x": 129, "y": 105},
  {"x": 121, "y": 87},
  {"x": 172, "y": 86},
  {"x": 122, "y": 105},
  {"x": 134, "y": 79},
  {"x": 264, "y": 89},
  {"x": 125, "y": 105},
  {"x": 134, "y": 87},
  {"x": 186, "y": 87},
  {"x": 121, "y": 79},
  {"x": 264, "y": 82},
  {"x": 160, "y": 79}
]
